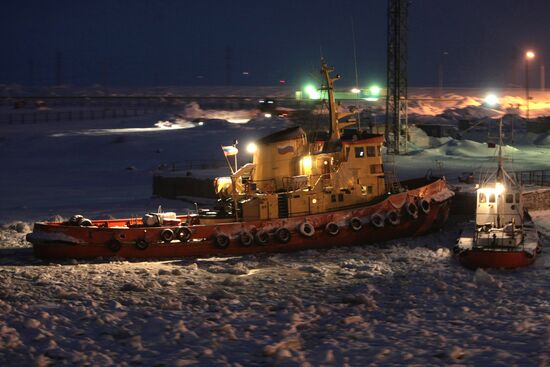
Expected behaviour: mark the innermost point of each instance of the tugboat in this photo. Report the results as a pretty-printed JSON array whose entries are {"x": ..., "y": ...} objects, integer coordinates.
[
  {"x": 503, "y": 235},
  {"x": 296, "y": 194}
]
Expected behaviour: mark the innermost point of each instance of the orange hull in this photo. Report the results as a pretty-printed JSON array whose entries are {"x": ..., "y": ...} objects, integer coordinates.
[
  {"x": 57, "y": 240},
  {"x": 486, "y": 258}
]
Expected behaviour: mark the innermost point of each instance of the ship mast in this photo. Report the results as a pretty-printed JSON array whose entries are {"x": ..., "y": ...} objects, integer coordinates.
[{"x": 334, "y": 131}]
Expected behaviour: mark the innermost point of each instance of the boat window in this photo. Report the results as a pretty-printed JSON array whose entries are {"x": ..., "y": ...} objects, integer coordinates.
[
  {"x": 369, "y": 189},
  {"x": 340, "y": 197},
  {"x": 492, "y": 198},
  {"x": 517, "y": 197},
  {"x": 509, "y": 198},
  {"x": 359, "y": 152},
  {"x": 482, "y": 197},
  {"x": 333, "y": 198},
  {"x": 371, "y": 152},
  {"x": 347, "y": 153}
]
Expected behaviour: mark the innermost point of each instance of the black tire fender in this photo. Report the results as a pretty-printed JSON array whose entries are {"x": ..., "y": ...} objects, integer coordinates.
[
  {"x": 356, "y": 224},
  {"x": 283, "y": 235},
  {"x": 306, "y": 229},
  {"x": 261, "y": 237},
  {"x": 183, "y": 234},
  {"x": 246, "y": 239},
  {"x": 412, "y": 209},
  {"x": 377, "y": 220},
  {"x": 114, "y": 245},
  {"x": 392, "y": 217},
  {"x": 221, "y": 241},
  {"x": 424, "y": 206},
  {"x": 141, "y": 244},
  {"x": 332, "y": 228}
]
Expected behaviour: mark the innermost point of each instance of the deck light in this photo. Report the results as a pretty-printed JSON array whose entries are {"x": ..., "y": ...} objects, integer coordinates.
[
  {"x": 251, "y": 148},
  {"x": 307, "y": 164}
]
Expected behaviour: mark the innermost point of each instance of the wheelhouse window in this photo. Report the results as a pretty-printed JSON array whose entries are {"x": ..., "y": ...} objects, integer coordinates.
[
  {"x": 482, "y": 197},
  {"x": 371, "y": 151},
  {"x": 359, "y": 152},
  {"x": 517, "y": 197},
  {"x": 509, "y": 198},
  {"x": 492, "y": 198}
]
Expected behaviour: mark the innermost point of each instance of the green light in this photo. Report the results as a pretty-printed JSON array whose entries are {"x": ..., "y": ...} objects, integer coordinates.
[
  {"x": 375, "y": 90},
  {"x": 312, "y": 92}
]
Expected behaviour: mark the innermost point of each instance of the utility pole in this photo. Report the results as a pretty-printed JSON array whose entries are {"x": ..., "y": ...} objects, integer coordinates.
[{"x": 396, "y": 98}]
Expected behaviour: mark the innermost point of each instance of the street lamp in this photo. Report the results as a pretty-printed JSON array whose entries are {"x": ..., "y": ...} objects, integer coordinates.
[{"x": 529, "y": 55}]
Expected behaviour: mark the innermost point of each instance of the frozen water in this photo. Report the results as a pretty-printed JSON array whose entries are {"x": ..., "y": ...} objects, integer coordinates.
[{"x": 404, "y": 302}]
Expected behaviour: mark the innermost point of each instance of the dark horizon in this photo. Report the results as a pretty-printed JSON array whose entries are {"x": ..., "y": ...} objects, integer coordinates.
[{"x": 145, "y": 43}]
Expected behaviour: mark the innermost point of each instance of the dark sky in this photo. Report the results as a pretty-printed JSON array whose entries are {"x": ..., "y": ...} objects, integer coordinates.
[{"x": 169, "y": 42}]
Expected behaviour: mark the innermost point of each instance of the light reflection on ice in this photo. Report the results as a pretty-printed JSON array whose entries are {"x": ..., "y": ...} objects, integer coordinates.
[{"x": 159, "y": 126}]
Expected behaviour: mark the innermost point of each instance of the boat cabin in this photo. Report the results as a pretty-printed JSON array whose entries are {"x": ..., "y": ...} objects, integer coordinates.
[
  {"x": 291, "y": 176},
  {"x": 498, "y": 205}
]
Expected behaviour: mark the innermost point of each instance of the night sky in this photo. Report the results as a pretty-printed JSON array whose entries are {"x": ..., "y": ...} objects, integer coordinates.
[{"x": 142, "y": 43}]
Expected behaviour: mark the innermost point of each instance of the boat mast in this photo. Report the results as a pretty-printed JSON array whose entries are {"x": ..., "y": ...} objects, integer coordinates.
[{"x": 334, "y": 131}]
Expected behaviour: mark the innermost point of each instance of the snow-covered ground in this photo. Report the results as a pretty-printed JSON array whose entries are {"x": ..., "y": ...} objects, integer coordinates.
[{"x": 405, "y": 302}]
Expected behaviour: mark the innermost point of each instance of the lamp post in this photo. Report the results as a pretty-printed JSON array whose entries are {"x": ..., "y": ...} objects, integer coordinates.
[{"x": 529, "y": 55}]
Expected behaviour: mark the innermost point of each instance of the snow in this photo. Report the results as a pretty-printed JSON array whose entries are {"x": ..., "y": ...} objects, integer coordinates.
[{"x": 403, "y": 302}]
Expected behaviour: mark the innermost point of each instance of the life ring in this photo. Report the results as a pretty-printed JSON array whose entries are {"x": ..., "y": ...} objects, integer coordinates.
[
  {"x": 221, "y": 241},
  {"x": 377, "y": 220},
  {"x": 261, "y": 237},
  {"x": 283, "y": 235},
  {"x": 332, "y": 228},
  {"x": 306, "y": 229},
  {"x": 246, "y": 239},
  {"x": 355, "y": 224},
  {"x": 183, "y": 234},
  {"x": 424, "y": 206},
  {"x": 114, "y": 245},
  {"x": 141, "y": 244},
  {"x": 412, "y": 209},
  {"x": 167, "y": 235},
  {"x": 392, "y": 217}
]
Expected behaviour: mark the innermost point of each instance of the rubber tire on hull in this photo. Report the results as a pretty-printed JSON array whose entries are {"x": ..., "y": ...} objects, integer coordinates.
[
  {"x": 141, "y": 244},
  {"x": 246, "y": 239},
  {"x": 355, "y": 224},
  {"x": 392, "y": 217},
  {"x": 167, "y": 235},
  {"x": 424, "y": 206},
  {"x": 307, "y": 229},
  {"x": 114, "y": 245},
  {"x": 183, "y": 234},
  {"x": 261, "y": 237},
  {"x": 221, "y": 241},
  {"x": 283, "y": 235},
  {"x": 332, "y": 228},
  {"x": 412, "y": 209},
  {"x": 377, "y": 220}
]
